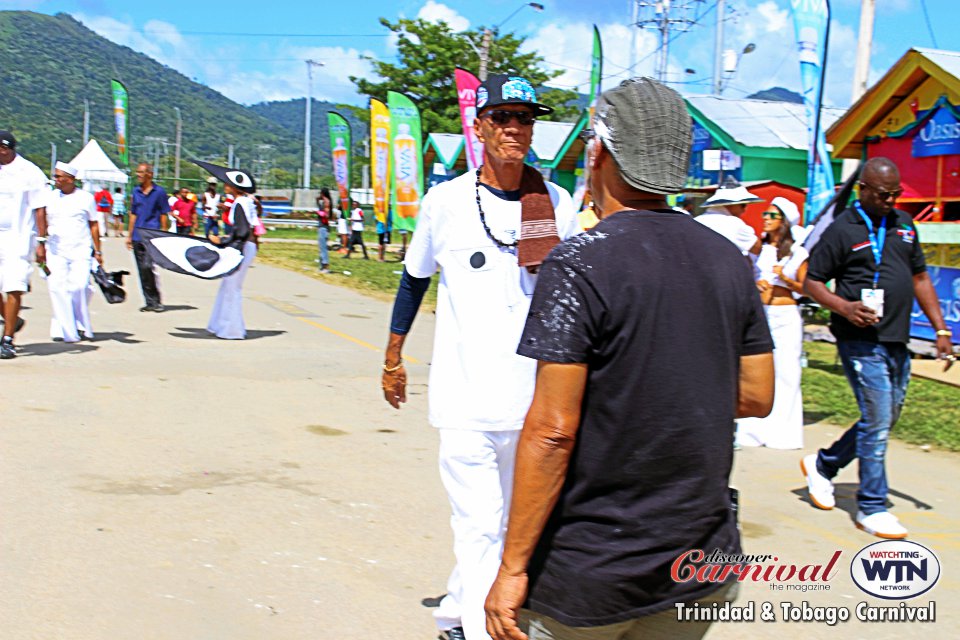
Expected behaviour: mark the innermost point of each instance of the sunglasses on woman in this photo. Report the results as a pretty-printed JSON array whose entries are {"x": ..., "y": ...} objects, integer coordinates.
[
  {"x": 773, "y": 215},
  {"x": 501, "y": 117}
]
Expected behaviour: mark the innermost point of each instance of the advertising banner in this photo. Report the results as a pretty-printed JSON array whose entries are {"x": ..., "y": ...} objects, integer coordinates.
[
  {"x": 946, "y": 282},
  {"x": 380, "y": 158},
  {"x": 940, "y": 136},
  {"x": 596, "y": 69},
  {"x": 406, "y": 151},
  {"x": 120, "y": 106},
  {"x": 811, "y": 20},
  {"x": 467, "y": 84},
  {"x": 340, "y": 147}
]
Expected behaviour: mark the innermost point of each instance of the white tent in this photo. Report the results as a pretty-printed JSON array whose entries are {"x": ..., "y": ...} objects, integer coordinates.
[{"x": 93, "y": 165}]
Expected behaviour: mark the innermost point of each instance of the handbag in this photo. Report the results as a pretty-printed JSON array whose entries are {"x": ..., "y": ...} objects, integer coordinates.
[{"x": 111, "y": 284}]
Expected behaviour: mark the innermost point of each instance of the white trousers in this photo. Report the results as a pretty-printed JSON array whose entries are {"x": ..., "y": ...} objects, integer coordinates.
[
  {"x": 69, "y": 296},
  {"x": 476, "y": 468},
  {"x": 783, "y": 428},
  {"x": 226, "y": 319}
]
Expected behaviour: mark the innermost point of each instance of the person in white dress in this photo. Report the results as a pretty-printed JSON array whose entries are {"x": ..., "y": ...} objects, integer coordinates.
[
  {"x": 783, "y": 267},
  {"x": 73, "y": 241},
  {"x": 226, "y": 319}
]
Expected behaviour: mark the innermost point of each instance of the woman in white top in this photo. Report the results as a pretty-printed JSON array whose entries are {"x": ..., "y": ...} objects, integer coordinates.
[
  {"x": 226, "y": 319},
  {"x": 73, "y": 235},
  {"x": 783, "y": 266},
  {"x": 356, "y": 231}
]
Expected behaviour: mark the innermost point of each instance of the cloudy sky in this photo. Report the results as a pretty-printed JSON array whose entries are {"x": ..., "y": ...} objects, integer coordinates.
[{"x": 255, "y": 51}]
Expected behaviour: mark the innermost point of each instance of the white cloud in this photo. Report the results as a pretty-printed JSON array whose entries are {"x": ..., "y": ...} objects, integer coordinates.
[
  {"x": 775, "y": 18},
  {"x": 438, "y": 12}
]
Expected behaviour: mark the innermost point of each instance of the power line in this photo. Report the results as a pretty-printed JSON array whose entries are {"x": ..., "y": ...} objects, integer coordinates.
[{"x": 926, "y": 15}]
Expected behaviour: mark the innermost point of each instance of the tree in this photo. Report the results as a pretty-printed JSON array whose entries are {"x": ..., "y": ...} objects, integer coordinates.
[{"x": 428, "y": 54}]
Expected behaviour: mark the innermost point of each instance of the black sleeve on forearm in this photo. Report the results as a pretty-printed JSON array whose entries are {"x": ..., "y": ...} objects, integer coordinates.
[{"x": 409, "y": 296}]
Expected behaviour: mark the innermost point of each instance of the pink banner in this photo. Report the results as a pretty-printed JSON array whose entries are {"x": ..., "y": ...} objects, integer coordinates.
[{"x": 467, "y": 84}]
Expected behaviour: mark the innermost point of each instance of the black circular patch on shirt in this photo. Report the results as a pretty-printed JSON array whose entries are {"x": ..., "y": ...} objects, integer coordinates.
[
  {"x": 201, "y": 258},
  {"x": 477, "y": 260}
]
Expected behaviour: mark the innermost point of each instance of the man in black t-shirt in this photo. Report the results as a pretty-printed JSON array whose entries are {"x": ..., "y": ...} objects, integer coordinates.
[
  {"x": 647, "y": 353},
  {"x": 873, "y": 253}
]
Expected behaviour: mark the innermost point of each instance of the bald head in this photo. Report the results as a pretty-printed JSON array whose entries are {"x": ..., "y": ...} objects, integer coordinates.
[{"x": 879, "y": 186}]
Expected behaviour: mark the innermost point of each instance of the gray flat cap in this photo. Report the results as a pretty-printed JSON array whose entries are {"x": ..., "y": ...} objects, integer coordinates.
[{"x": 646, "y": 128}]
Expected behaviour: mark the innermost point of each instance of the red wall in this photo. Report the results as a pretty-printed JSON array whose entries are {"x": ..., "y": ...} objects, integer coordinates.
[
  {"x": 919, "y": 175},
  {"x": 754, "y": 213}
]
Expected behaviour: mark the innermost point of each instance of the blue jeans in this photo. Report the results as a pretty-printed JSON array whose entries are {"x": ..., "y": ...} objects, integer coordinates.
[
  {"x": 210, "y": 223},
  {"x": 322, "y": 236},
  {"x": 878, "y": 373}
]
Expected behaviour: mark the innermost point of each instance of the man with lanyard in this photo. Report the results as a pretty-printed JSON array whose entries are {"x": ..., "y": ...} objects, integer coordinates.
[
  {"x": 147, "y": 211},
  {"x": 488, "y": 231},
  {"x": 22, "y": 214},
  {"x": 873, "y": 253}
]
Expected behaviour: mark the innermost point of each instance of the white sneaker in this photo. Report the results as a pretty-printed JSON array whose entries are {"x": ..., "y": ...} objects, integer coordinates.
[
  {"x": 819, "y": 487},
  {"x": 882, "y": 524}
]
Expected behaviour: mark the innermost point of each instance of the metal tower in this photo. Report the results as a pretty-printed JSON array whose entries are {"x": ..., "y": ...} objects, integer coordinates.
[{"x": 667, "y": 17}]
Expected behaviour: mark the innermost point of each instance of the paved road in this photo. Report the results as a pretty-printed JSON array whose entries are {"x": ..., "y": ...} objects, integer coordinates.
[{"x": 162, "y": 484}]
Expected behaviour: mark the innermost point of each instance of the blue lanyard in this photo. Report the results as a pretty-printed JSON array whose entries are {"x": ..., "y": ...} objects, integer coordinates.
[{"x": 876, "y": 240}]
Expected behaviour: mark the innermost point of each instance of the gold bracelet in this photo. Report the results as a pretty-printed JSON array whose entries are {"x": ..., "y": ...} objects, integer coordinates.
[
  {"x": 944, "y": 332},
  {"x": 392, "y": 369}
]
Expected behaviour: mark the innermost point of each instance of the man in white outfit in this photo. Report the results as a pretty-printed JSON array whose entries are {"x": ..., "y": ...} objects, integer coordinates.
[
  {"x": 73, "y": 236},
  {"x": 488, "y": 231},
  {"x": 722, "y": 213},
  {"x": 23, "y": 186}
]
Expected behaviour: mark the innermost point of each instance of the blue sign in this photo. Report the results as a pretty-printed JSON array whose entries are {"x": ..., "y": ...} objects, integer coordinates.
[
  {"x": 946, "y": 282},
  {"x": 702, "y": 140},
  {"x": 940, "y": 136}
]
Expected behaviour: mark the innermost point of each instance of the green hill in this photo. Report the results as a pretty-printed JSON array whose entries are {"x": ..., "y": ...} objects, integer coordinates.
[{"x": 50, "y": 64}]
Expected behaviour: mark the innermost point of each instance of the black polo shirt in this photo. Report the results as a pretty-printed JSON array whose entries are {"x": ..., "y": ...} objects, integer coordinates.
[
  {"x": 661, "y": 309},
  {"x": 844, "y": 254}
]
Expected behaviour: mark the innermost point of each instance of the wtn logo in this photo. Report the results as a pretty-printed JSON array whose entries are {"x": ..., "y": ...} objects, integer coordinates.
[
  {"x": 895, "y": 569},
  {"x": 903, "y": 570}
]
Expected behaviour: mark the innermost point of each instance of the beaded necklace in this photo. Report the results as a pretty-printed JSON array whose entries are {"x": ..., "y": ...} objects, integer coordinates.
[{"x": 483, "y": 219}]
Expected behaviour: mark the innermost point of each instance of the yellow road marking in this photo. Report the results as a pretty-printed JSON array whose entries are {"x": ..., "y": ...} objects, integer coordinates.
[{"x": 346, "y": 336}]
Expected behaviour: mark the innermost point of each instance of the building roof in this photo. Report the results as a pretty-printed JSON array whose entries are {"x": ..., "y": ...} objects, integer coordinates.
[
  {"x": 548, "y": 138},
  {"x": 904, "y": 78},
  {"x": 448, "y": 147},
  {"x": 760, "y": 123}
]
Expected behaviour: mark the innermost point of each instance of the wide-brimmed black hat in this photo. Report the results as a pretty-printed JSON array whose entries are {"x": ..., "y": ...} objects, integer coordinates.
[
  {"x": 500, "y": 89},
  {"x": 234, "y": 177}
]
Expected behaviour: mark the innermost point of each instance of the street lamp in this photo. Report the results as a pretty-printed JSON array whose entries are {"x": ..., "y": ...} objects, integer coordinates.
[
  {"x": 484, "y": 51},
  {"x": 306, "y": 128},
  {"x": 731, "y": 62}
]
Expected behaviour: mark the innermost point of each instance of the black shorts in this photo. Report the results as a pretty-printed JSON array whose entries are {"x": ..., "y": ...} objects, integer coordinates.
[
  {"x": 384, "y": 238},
  {"x": 356, "y": 237}
]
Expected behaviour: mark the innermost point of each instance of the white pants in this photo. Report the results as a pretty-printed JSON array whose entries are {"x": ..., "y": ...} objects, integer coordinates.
[
  {"x": 226, "y": 319},
  {"x": 477, "y": 471},
  {"x": 783, "y": 428},
  {"x": 69, "y": 296}
]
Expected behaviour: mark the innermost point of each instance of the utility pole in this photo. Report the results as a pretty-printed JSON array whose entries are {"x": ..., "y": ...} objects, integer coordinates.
[
  {"x": 485, "y": 53},
  {"x": 176, "y": 160},
  {"x": 53, "y": 157},
  {"x": 86, "y": 121},
  {"x": 230, "y": 156},
  {"x": 665, "y": 17},
  {"x": 718, "y": 51},
  {"x": 868, "y": 10},
  {"x": 306, "y": 127}
]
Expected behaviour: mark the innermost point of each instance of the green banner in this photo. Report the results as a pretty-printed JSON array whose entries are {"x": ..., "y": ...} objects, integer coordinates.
[
  {"x": 340, "y": 149},
  {"x": 406, "y": 146},
  {"x": 596, "y": 68},
  {"x": 120, "y": 119}
]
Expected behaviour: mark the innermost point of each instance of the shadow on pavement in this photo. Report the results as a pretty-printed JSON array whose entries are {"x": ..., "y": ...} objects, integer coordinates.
[
  {"x": 116, "y": 336},
  {"x": 55, "y": 348},
  {"x": 196, "y": 333},
  {"x": 846, "y": 496},
  {"x": 178, "y": 307}
]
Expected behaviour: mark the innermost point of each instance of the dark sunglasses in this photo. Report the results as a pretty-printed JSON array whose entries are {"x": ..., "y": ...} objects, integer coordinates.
[
  {"x": 503, "y": 116},
  {"x": 884, "y": 195},
  {"x": 773, "y": 215},
  {"x": 587, "y": 135}
]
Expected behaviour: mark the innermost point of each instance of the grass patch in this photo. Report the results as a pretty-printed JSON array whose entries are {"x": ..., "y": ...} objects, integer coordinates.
[
  {"x": 371, "y": 277},
  {"x": 930, "y": 416}
]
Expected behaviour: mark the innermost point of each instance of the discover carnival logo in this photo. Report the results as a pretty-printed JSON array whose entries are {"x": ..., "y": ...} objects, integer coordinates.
[{"x": 895, "y": 569}]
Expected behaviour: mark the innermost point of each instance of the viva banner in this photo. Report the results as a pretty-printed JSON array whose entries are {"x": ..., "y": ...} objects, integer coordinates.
[
  {"x": 467, "y": 84},
  {"x": 406, "y": 160},
  {"x": 340, "y": 146},
  {"x": 811, "y": 20},
  {"x": 380, "y": 157},
  {"x": 120, "y": 105}
]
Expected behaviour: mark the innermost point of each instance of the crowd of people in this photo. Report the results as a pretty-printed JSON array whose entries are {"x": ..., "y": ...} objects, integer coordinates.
[{"x": 573, "y": 447}]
